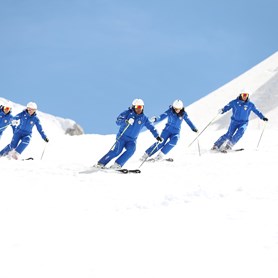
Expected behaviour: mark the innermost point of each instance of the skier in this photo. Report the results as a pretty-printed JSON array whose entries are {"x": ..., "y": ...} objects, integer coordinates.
[
  {"x": 26, "y": 120},
  {"x": 6, "y": 117},
  {"x": 171, "y": 133},
  {"x": 131, "y": 121},
  {"x": 241, "y": 109}
]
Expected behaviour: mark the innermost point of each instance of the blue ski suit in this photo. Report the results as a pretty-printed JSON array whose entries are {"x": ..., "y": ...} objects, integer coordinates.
[
  {"x": 127, "y": 136},
  {"x": 171, "y": 132},
  {"x": 5, "y": 120},
  {"x": 239, "y": 121},
  {"x": 23, "y": 132}
]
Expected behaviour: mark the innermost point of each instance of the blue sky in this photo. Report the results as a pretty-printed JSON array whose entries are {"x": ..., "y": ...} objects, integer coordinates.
[{"x": 87, "y": 60}]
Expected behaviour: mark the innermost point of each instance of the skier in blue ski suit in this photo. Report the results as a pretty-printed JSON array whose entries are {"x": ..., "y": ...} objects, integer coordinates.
[
  {"x": 241, "y": 109},
  {"x": 27, "y": 119},
  {"x": 131, "y": 123},
  {"x": 171, "y": 133},
  {"x": 6, "y": 118}
]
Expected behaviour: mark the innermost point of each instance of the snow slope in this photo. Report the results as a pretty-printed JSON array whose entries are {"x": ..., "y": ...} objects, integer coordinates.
[{"x": 208, "y": 215}]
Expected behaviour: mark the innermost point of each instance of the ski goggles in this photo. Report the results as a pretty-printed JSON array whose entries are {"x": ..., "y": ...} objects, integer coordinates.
[
  {"x": 244, "y": 95},
  {"x": 31, "y": 109},
  {"x": 138, "y": 106},
  {"x": 6, "y": 109}
]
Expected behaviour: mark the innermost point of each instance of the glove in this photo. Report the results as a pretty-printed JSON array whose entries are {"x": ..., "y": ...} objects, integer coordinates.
[
  {"x": 195, "y": 130},
  {"x": 153, "y": 119},
  {"x": 220, "y": 111},
  {"x": 130, "y": 121},
  {"x": 15, "y": 122},
  {"x": 159, "y": 139},
  {"x": 46, "y": 140},
  {"x": 265, "y": 119}
]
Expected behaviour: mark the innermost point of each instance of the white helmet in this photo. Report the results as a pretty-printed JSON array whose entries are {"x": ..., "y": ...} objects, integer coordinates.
[
  {"x": 138, "y": 101},
  {"x": 7, "y": 106},
  {"x": 7, "y": 103},
  {"x": 32, "y": 105},
  {"x": 177, "y": 104}
]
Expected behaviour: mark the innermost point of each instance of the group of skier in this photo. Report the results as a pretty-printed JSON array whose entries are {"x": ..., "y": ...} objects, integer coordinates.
[
  {"x": 22, "y": 125},
  {"x": 132, "y": 120}
]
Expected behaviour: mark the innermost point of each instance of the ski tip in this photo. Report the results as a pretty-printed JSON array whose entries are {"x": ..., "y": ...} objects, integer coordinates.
[
  {"x": 29, "y": 158},
  {"x": 169, "y": 159},
  {"x": 137, "y": 171}
]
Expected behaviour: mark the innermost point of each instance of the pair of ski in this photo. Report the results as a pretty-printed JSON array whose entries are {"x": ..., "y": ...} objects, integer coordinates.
[
  {"x": 20, "y": 159},
  {"x": 127, "y": 171},
  {"x": 122, "y": 171},
  {"x": 228, "y": 151},
  {"x": 110, "y": 170},
  {"x": 161, "y": 160}
]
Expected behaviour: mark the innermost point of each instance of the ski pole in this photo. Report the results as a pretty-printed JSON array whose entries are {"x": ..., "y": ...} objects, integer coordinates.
[
  {"x": 203, "y": 130},
  {"x": 199, "y": 149},
  {"x": 43, "y": 150},
  {"x": 261, "y": 135},
  {"x": 112, "y": 148},
  {"x": 156, "y": 145},
  {"x": 4, "y": 126}
]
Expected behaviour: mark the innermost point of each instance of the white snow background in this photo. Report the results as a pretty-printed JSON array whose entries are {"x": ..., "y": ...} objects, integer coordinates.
[{"x": 204, "y": 215}]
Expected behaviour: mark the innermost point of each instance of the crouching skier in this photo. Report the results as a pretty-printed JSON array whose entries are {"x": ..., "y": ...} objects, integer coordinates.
[
  {"x": 171, "y": 133},
  {"x": 131, "y": 122},
  {"x": 25, "y": 121},
  {"x": 241, "y": 108}
]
